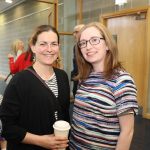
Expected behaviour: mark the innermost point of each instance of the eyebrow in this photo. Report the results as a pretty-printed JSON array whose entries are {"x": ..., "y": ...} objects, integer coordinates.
[{"x": 92, "y": 37}]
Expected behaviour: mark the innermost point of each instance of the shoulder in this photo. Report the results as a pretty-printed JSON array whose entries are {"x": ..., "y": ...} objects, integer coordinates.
[
  {"x": 123, "y": 79},
  {"x": 62, "y": 77},
  {"x": 123, "y": 76},
  {"x": 21, "y": 56},
  {"x": 60, "y": 72},
  {"x": 22, "y": 76}
]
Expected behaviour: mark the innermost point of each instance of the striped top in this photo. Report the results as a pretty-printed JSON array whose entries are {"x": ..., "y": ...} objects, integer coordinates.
[
  {"x": 98, "y": 103},
  {"x": 52, "y": 84}
]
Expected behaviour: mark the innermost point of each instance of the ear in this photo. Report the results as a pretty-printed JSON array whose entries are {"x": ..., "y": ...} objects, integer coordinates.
[
  {"x": 32, "y": 48},
  {"x": 107, "y": 49}
]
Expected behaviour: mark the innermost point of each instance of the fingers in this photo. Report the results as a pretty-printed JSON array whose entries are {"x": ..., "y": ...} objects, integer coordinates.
[
  {"x": 60, "y": 146},
  {"x": 61, "y": 138},
  {"x": 61, "y": 143},
  {"x": 9, "y": 55}
]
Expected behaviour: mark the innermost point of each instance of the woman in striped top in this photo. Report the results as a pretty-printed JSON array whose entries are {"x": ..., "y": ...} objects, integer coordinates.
[{"x": 106, "y": 99}]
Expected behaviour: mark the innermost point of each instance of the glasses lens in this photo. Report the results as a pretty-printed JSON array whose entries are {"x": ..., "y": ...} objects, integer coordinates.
[
  {"x": 82, "y": 44},
  {"x": 95, "y": 40}
]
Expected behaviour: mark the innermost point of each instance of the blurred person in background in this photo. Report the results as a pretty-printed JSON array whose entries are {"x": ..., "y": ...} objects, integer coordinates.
[
  {"x": 17, "y": 48},
  {"x": 74, "y": 72},
  {"x": 2, "y": 89},
  {"x": 23, "y": 60}
]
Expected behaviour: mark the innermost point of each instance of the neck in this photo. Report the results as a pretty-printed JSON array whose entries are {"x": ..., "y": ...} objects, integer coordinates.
[
  {"x": 98, "y": 67},
  {"x": 45, "y": 72}
]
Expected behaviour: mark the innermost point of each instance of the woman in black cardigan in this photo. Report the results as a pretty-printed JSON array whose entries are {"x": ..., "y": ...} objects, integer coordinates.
[{"x": 36, "y": 97}]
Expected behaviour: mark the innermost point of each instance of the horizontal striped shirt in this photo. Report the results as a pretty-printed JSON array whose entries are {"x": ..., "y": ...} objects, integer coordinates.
[
  {"x": 52, "y": 84},
  {"x": 98, "y": 104}
]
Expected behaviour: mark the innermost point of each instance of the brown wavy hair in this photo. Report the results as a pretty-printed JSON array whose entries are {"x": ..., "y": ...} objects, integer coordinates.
[{"x": 111, "y": 63}]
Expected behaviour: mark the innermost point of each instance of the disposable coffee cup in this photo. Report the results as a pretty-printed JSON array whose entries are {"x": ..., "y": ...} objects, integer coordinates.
[{"x": 61, "y": 129}]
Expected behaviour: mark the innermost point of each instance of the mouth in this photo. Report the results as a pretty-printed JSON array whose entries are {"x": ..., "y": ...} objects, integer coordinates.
[
  {"x": 48, "y": 54},
  {"x": 91, "y": 53}
]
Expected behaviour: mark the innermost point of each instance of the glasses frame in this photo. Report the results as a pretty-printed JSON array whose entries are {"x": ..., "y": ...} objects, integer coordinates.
[{"x": 100, "y": 38}]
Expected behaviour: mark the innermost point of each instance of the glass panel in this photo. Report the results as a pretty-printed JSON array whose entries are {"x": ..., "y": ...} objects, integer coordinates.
[
  {"x": 66, "y": 15},
  {"x": 18, "y": 23},
  {"x": 67, "y": 52}
]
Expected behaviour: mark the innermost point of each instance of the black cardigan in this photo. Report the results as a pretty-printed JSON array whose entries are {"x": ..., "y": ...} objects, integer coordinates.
[{"x": 28, "y": 106}]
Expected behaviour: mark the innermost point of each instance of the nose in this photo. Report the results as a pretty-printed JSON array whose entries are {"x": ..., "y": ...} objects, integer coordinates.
[
  {"x": 88, "y": 45},
  {"x": 49, "y": 47}
]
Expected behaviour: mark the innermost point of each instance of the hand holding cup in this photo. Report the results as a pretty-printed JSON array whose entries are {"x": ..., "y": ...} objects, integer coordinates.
[{"x": 61, "y": 129}]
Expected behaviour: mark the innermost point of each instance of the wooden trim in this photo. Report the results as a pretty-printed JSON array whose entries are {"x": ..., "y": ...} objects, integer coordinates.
[
  {"x": 46, "y": 2},
  {"x": 147, "y": 75},
  {"x": 55, "y": 3},
  {"x": 125, "y": 12},
  {"x": 147, "y": 116},
  {"x": 104, "y": 18},
  {"x": 79, "y": 11},
  {"x": 65, "y": 33},
  {"x": 56, "y": 14}
]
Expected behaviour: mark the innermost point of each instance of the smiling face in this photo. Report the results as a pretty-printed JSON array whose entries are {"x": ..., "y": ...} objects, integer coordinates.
[
  {"x": 20, "y": 45},
  {"x": 95, "y": 50},
  {"x": 46, "y": 48}
]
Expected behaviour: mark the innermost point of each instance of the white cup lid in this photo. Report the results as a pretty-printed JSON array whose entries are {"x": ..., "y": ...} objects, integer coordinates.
[{"x": 61, "y": 124}]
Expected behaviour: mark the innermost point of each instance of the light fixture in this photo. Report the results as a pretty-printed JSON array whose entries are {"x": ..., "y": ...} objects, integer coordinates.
[
  {"x": 8, "y": 1},
  {"x": 120, "y": 2}
]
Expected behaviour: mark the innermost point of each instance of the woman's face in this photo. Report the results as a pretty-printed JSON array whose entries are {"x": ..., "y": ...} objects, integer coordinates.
[
  {"x": 46, "y": 48},
  {"x": 20, "y": 46},
  {"x": 93, "y": 47}
]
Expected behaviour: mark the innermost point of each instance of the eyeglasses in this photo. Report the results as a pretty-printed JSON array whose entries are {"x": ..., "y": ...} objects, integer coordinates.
[
  {"x": 92, "y": 41},
  {"x": 43, "y": 45}
]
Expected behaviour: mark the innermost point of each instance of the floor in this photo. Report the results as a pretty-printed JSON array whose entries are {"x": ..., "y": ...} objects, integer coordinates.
[{"x": 141, "y": 138}]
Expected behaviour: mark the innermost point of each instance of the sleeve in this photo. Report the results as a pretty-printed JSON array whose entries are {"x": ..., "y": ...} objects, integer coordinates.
[
  {"x": 13, "y": 65},
  {"x": 65, "y": 95},
  {"x": 126, "y": 95},
  {"x": 19, "y": 52},
  {"x": 10, "y": 111},
  {"x": 67, "y": 88},
  {"x": 74, "y": 72}
]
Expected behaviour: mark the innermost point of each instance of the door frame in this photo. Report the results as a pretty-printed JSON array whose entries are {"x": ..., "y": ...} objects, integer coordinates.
[{"x": 103, "y": 20}]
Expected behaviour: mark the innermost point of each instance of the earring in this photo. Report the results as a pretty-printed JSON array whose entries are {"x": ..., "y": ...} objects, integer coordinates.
[{"x": 34, "y": 57}]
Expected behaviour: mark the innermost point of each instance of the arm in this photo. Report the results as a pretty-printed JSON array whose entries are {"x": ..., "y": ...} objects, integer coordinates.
[
  {"x": 126, "y": 134},
  {"x": 126, "y": 104},
  {"x": 15, "y": 66},
  {"x": 10, "y": 110},
  {"x": 46, "y": 141},
  {"x": 11, "y": 114},
  {"x": 12, "y": 65}
]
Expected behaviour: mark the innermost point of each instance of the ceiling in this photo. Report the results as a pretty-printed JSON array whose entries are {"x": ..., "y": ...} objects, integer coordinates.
[{"x": 5, "y": 6}]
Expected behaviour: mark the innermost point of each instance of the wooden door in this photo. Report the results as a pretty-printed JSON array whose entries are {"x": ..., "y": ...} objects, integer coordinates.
[
  {"x": 130, "y": 28},
  {"x": 131, "y": 34}
]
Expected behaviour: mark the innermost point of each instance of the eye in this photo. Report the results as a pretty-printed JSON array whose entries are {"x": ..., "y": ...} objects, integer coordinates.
[
  {"x": 95, "y": 40},
  {"x": 54, "y": 44},
  {"x": 82, "y": 44},
  {"x": 43, "y": 43}
]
